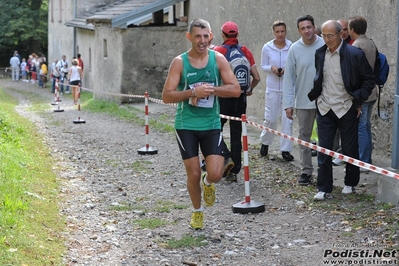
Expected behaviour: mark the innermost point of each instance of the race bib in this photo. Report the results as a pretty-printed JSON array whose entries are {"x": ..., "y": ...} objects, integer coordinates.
[{"x": 206, "y": 102}]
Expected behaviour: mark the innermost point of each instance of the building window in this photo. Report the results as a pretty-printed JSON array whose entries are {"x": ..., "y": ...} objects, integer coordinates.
[{"x": 105, "y": 48}]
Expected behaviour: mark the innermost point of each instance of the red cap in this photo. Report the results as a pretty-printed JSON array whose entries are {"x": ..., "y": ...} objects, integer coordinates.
[{"x": 230, "y": 27}]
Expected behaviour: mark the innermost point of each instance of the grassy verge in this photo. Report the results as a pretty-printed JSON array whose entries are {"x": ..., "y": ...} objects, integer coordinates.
[
  {"x": 30, "y": 223},
  {"x": 161, "y": 123}
]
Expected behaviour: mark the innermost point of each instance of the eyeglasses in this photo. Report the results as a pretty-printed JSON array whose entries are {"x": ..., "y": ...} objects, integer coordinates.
[{"x": 328, "y": 36}]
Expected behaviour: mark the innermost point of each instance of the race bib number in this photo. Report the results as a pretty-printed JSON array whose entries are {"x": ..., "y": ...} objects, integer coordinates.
[{"x": 206, "y": 102}]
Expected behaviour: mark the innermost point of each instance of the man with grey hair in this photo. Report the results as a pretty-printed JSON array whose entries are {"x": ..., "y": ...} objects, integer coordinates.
[
  {"x": 345, "y": 30},
  {"x": 195, "y": 81},
  {"x": 343, "y": 81}
]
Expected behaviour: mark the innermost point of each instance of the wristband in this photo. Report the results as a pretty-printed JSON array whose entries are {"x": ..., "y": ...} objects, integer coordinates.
[{"x": 193, "y": 92}]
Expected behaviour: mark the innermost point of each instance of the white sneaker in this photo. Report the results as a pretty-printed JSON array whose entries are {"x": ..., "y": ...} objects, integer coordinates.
[
  {"x": 348, "y": 190},
  {"x": 337, "y": 162},
  {"x": 322, "y": 196}
]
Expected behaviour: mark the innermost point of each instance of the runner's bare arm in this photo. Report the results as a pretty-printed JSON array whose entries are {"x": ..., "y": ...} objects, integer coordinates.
[{"x": 170, "y": 94}]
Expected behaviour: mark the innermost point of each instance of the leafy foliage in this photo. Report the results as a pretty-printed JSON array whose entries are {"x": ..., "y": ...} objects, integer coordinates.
[{"x": 24, "y": 28}]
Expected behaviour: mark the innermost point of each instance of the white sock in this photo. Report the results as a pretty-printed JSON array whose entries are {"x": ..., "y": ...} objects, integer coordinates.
[
  {"x": 206, "y": 181},
  {"x": 199, "y": 210}
]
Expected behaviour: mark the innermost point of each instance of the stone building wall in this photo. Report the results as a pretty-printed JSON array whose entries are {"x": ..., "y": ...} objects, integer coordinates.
[{"x": 255, "y": 18}]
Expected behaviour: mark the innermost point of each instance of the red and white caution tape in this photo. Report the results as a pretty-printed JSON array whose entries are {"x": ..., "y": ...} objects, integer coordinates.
[{"x": 330, "y": 152}]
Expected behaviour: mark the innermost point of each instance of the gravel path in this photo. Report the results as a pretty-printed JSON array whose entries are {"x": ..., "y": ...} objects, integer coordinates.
[{"x": 107, "y": 188}]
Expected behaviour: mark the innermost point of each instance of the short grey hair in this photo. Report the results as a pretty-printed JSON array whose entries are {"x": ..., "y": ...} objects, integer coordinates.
[{"x": 199, "y": 23}]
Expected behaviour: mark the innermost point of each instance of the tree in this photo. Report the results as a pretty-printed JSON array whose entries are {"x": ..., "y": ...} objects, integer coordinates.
[{"x": 24, "y": 28}]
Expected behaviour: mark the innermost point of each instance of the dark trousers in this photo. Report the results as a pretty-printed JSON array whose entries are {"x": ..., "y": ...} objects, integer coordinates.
[
  {"x": 234, "y": 107},
  {"x": 327, "y": 126}
]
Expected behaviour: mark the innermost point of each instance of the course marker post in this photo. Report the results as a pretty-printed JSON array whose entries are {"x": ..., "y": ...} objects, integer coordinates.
[
  {"x": 57, "y": 98},
  {"x": 147, "y": 149},
  {"x": 79, "y": 120},
  {"x": 247, "y": 206},
  {"x": 56, "y": 94}
]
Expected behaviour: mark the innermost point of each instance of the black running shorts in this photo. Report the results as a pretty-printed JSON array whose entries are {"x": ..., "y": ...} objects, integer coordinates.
[{"x": 189, "y": 141}]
